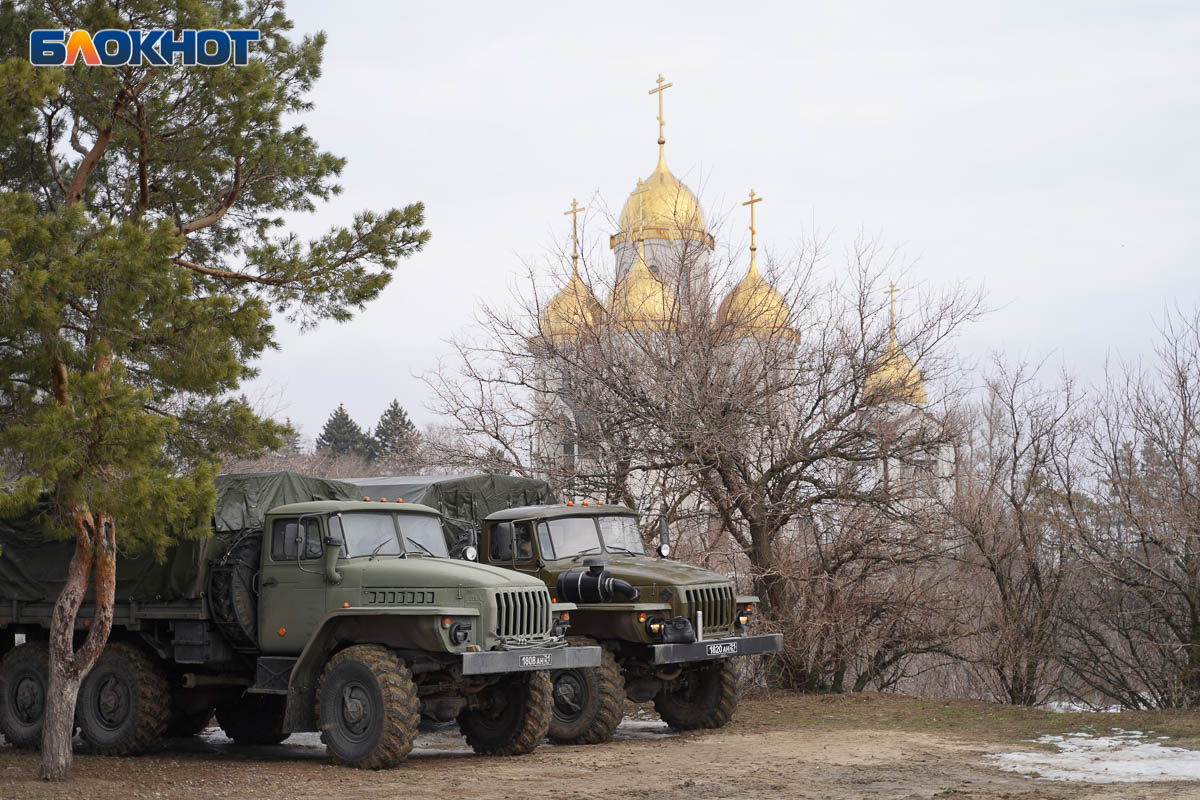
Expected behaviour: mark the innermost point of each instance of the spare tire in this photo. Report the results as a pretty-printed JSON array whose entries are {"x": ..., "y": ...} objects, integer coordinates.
[{"x": 233, "y": 591}]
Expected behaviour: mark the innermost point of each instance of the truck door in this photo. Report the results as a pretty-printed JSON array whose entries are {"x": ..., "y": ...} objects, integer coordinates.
[{"x": 291, "y": 585}]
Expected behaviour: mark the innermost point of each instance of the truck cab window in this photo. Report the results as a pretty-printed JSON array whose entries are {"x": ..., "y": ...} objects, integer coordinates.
[
  {"x": 283, "y": 540},
  {"x": 523, "y": 541},
  {"x": 545, "y": 542},
  {"x": 500, "y": 547}
]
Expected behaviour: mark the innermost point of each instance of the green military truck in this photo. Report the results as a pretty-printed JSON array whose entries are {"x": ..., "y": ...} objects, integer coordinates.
[
  {"x": 669, "y": 631},
  {"x": 304, "y": 611}
]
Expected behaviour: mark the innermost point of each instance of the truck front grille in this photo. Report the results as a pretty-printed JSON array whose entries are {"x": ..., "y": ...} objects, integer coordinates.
[
  {"x": 717, "y": 604},
  {"x": 522, "y": 612}
]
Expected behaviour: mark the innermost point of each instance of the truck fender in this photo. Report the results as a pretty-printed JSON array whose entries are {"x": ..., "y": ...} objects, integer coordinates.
[{"x": 348, "y": 626}]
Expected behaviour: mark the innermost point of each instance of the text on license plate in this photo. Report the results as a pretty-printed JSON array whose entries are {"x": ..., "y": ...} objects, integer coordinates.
[
  {"x": 722, "y": 649},
  {"x": 536, "y": 661}
]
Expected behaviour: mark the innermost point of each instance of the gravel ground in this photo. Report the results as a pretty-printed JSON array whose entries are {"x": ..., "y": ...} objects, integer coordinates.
[{"x": 780, "y": 746}]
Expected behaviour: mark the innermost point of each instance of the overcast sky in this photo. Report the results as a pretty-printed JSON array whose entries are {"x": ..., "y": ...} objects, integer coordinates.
[{"x": 1049, "y": 154}]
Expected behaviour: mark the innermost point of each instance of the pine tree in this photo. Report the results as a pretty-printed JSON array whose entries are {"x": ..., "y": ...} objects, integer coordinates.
[
  {"x": 395, "y": 437},
  {"x": 140, "y": 264},
  {"x": 342, "y": 436}
]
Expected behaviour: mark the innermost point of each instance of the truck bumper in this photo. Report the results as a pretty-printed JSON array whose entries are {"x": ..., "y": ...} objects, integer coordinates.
[
  {"x": 493, "y": 661},
  {"x": 709, "y": 649}
]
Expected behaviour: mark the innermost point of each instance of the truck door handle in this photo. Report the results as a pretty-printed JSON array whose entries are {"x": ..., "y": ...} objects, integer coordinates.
[{"x": 269, "y": 582}]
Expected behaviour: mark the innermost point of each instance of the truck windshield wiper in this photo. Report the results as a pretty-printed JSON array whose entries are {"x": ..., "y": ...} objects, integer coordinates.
[
  {"x": 418, "y": 544},
  {"x": 379, "y": 546},
  {"x": 595, "y": 549}
]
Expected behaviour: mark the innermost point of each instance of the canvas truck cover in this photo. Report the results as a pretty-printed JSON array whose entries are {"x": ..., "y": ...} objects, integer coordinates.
[
  {"x": 463, "y": 500},
  {"x": 33, "y": 568}
]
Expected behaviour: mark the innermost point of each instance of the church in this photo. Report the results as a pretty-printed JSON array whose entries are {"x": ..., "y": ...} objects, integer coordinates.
[{"x": 662, "y": 285}]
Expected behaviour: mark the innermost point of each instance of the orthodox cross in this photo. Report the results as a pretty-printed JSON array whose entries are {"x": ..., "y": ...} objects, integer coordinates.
[
  {"x": 892, "y": 306},
  {"x": 662, "y": 87},
  {"x": 751, "y": 203},
  {"x": 574, "y": 213}
]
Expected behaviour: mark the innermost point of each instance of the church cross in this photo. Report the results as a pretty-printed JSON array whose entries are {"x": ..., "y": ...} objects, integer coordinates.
[
  {"x": 662, "y": 87},
  {"x": 892, "y": 290},
  {"x": 751, "y": 203},
  {"x": 574, "y": 213}
]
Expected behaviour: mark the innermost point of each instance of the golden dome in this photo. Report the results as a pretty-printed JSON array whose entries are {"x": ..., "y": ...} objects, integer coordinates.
[
  {"x": 894, "y": 378},
  {"x": 755, "y": 308},
  {"x": 640, "y": 301},
  {"x": 572, "y": 311},
  {"x": 662, "y": 208}
]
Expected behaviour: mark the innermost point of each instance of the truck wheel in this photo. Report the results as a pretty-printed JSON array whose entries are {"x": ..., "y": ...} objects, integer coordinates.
[
  {"x": 704, "y": 696},
  {"x": 253, "y": 719},
  {"x": 588, "y": 703},
  {"x": 512, "y": 718},
  {"x": 124, "y": 702},
  {"x": 367, "y": 707},
  {"x": 24, "y": 680}
]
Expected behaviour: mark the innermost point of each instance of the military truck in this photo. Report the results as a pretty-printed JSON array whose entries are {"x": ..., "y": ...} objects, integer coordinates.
[
  {"x": 669, "y": 631},
  {"x": 304, "y": 611}
]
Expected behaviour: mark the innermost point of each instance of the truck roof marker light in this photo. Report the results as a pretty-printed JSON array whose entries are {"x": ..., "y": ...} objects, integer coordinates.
[
  {"x": 383, "y": 499},
  {"x": 399, "y": 499},
  {"x": 345, "y": 605},
  {"x": 584, "y": 503},
  {"x": 599, "y": 502},
  {"x": 366, "y": 499},
  {"x": 570, "y": 503},
  {"x": 282, "y": 631}
]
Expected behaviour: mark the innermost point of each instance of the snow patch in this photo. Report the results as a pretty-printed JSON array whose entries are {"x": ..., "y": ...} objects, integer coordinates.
[{"x": 1122, "y": 757}]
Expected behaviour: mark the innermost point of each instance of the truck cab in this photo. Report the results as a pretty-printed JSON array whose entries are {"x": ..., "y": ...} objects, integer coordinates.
[{"x": 668, "y": 628}]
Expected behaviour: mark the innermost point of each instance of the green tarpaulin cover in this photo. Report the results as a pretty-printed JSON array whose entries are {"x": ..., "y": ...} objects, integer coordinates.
[{"x": 33, "y": 568}]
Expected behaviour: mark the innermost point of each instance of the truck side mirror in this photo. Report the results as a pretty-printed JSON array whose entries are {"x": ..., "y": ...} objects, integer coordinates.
[{"x": 664, "y": 538}]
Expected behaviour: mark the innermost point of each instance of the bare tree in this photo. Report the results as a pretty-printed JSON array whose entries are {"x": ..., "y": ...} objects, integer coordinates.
[
  {"x": 1012, "y": 530},
  {"x": 1136, "y": 635}
]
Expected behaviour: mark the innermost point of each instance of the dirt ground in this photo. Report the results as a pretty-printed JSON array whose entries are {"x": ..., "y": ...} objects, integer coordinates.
[{"x": 779, "y": 746}]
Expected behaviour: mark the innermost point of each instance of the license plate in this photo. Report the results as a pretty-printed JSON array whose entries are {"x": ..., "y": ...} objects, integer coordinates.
[
  {"x": 536, "y": 661},
  {"x": 722, "y": 649}
]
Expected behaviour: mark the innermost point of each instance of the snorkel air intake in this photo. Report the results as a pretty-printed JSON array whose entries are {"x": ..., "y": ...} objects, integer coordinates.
[{"x": 593, "y": 584}]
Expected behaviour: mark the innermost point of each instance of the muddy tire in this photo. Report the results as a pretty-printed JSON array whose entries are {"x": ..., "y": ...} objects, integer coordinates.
[
  {"x": 253, "y": 719},
  {"x": 24, "y": 681},
  {"x": 367, "y": 707},
  {"x": 704, "y": 696},
  {"x": 513, "y": 718},
  {"x": 124, "y": 702},
  {"x": 588, "y": 703}
]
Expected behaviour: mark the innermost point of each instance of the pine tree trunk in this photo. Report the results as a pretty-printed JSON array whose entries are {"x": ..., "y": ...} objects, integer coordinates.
[{"x": 95, "y": 554}]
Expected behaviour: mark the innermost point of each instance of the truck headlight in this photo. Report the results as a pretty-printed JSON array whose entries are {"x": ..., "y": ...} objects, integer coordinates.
[{"x": 460, "y": 632}]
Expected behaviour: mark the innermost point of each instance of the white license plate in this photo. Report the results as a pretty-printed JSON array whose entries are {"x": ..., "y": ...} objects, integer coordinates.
[
  {"x": 722, "y": 649},
  {"x": 536, "y": 661}
]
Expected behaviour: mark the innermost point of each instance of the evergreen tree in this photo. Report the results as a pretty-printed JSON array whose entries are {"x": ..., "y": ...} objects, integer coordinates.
[
  {"x": 140, "y": 263},
  {"x": 342, "y": 436},
  {"x": 396, "y": 436}
]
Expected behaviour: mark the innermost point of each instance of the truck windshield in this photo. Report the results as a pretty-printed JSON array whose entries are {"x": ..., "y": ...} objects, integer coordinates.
[
  {"x": 373, "y": 533},
  {"x": 423, "y": 535},
  {"x": 621, "y": 534},
  {"x": 568, "y": 537},
  {"x": 367, "y": 534},
  {"x": 571, "y": 536}
]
